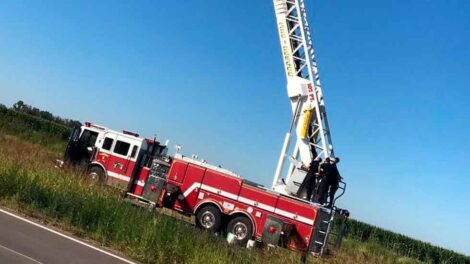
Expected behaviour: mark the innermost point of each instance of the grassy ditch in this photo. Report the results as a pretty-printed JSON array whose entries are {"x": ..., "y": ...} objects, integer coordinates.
[{"x": 30, "y": 184}]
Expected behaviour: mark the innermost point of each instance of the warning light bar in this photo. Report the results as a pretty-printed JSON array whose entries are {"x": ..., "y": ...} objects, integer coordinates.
[
  {"x": 88, "y": 124},
  {"x": 130, "y": 133}
]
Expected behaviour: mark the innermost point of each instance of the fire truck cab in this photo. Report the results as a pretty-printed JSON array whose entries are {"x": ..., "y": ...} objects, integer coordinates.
[{"x": 111, "y": 157}]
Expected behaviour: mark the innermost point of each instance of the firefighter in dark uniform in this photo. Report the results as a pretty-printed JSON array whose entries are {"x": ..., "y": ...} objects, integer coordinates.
[
  {"x": 329, "y": 182},
  {"x": 321, "y": 179},
  {"x": 311, "y": 177}
]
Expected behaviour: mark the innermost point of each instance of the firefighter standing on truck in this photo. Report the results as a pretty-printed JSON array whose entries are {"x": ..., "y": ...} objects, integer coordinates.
[
  {"x": 318, "y": 198},
  {"x": 330, "y": 181},
  {"x": 311, "y": 177}
]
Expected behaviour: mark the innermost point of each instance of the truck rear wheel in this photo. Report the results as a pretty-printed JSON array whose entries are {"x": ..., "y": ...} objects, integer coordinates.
[
  {"x": 241, "y": 228},
  {"x": 209, "y": 218},
  {"x": 95, "y": 175}
]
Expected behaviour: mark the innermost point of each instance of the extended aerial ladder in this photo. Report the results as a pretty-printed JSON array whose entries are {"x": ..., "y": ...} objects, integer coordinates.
[{"x": 312, "y": 134}]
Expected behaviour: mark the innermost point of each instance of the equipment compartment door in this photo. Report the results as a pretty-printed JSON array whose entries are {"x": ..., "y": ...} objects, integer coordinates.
[
  {"x": 156, "y": 181},
  {"x": 190, "y": 187},
  {"x": 153, "y": 188}
]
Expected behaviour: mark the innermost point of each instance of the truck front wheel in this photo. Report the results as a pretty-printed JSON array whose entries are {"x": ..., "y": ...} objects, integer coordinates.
[
  {"x": 95, "y": 175},
  {"x": 209, "y": 218}
]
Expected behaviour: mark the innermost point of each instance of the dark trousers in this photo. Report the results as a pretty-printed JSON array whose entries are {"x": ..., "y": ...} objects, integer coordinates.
[
  {"x": 308, "y": 185},
  {"x": 325, "y": 188},
  {"x": 310, "y": 190},
  {"x": 333, "y": 189},
  {"x": 318, "y": 191}
]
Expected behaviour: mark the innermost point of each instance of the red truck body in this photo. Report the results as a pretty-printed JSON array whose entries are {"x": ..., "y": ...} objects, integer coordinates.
[{"x": 201, "y": 184}]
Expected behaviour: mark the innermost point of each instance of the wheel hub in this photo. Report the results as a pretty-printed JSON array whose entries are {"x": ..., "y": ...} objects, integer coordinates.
[
  {"x": 93, "y": 176},
  {"x": 207, "y": 220},
  {"x": 240, "y": 230}
]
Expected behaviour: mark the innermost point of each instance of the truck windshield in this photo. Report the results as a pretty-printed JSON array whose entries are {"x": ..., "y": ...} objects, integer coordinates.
[
  {"x": 145, "y": 151},
  {"x": 144, "y": 147},
  {"x": 88, "y": 138}
]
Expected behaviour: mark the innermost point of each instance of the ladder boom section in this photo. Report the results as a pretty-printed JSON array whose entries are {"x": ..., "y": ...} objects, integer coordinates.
[{"x": 304, "y": 89}]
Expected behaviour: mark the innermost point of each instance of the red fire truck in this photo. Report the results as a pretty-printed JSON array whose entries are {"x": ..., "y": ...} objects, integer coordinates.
[{"x": 220, "y": 200}]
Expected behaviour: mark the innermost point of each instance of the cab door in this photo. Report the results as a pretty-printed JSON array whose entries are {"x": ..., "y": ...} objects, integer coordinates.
[
  {"x": 105, "y": 149},
  {"x": 72, "y": 145},
  {"x": 78, "y": 148},
  {"x": 118, "y": 161}
]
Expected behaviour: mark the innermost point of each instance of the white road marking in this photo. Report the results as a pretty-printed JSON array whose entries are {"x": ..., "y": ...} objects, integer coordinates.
[
  {"x": 18, "y": 253},
  {"x": 67, "y": 237}
]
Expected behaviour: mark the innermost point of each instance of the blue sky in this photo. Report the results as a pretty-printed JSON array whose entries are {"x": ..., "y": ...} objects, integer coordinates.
[{"x": 208, "y": 75}]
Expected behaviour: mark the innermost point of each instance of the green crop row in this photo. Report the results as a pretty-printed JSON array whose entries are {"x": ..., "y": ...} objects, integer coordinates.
[{"x": 404, "y": 245}]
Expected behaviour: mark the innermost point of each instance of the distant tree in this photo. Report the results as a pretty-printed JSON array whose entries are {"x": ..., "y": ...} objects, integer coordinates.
[
  {"x": 74, "y": 123},
  {"x": 35, "y": 111},
  {"x": 18, "y": 105},
  {"x": 46, "y": 115},
  {"x": 3, "y": 107}
]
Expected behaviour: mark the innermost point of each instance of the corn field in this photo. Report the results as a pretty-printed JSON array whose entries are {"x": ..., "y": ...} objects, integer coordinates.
[
  {"x": 33, "y": 129},
  {"x": 403, "y": 245}
]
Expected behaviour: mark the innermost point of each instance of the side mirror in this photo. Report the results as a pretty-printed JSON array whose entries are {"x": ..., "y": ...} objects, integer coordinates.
[{"x": 90, "y": 149}]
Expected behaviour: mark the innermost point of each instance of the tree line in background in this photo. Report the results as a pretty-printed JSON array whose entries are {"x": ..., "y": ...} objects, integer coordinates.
[
  {"x": 20, "y": 106},
  {"x": 35, "y": 125}
]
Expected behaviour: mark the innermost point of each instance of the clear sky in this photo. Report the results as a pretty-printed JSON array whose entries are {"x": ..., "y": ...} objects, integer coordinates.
[{"x": 208, "y": 75}]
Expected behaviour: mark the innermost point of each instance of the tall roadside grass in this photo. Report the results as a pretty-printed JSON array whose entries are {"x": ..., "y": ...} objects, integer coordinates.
[
  {"x": 30, "y": 184},
  {"x": 101, "y": 216}
]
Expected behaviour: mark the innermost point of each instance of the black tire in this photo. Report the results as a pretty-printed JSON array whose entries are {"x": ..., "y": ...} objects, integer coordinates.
[
  {"x": 209, "y": 218},
  {"x": 95, "y": 175},
  {"x": 242, "y": 229}
]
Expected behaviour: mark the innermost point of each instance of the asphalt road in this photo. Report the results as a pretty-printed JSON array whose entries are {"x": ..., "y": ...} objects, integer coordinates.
[{"x": 25, "y": 242}]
